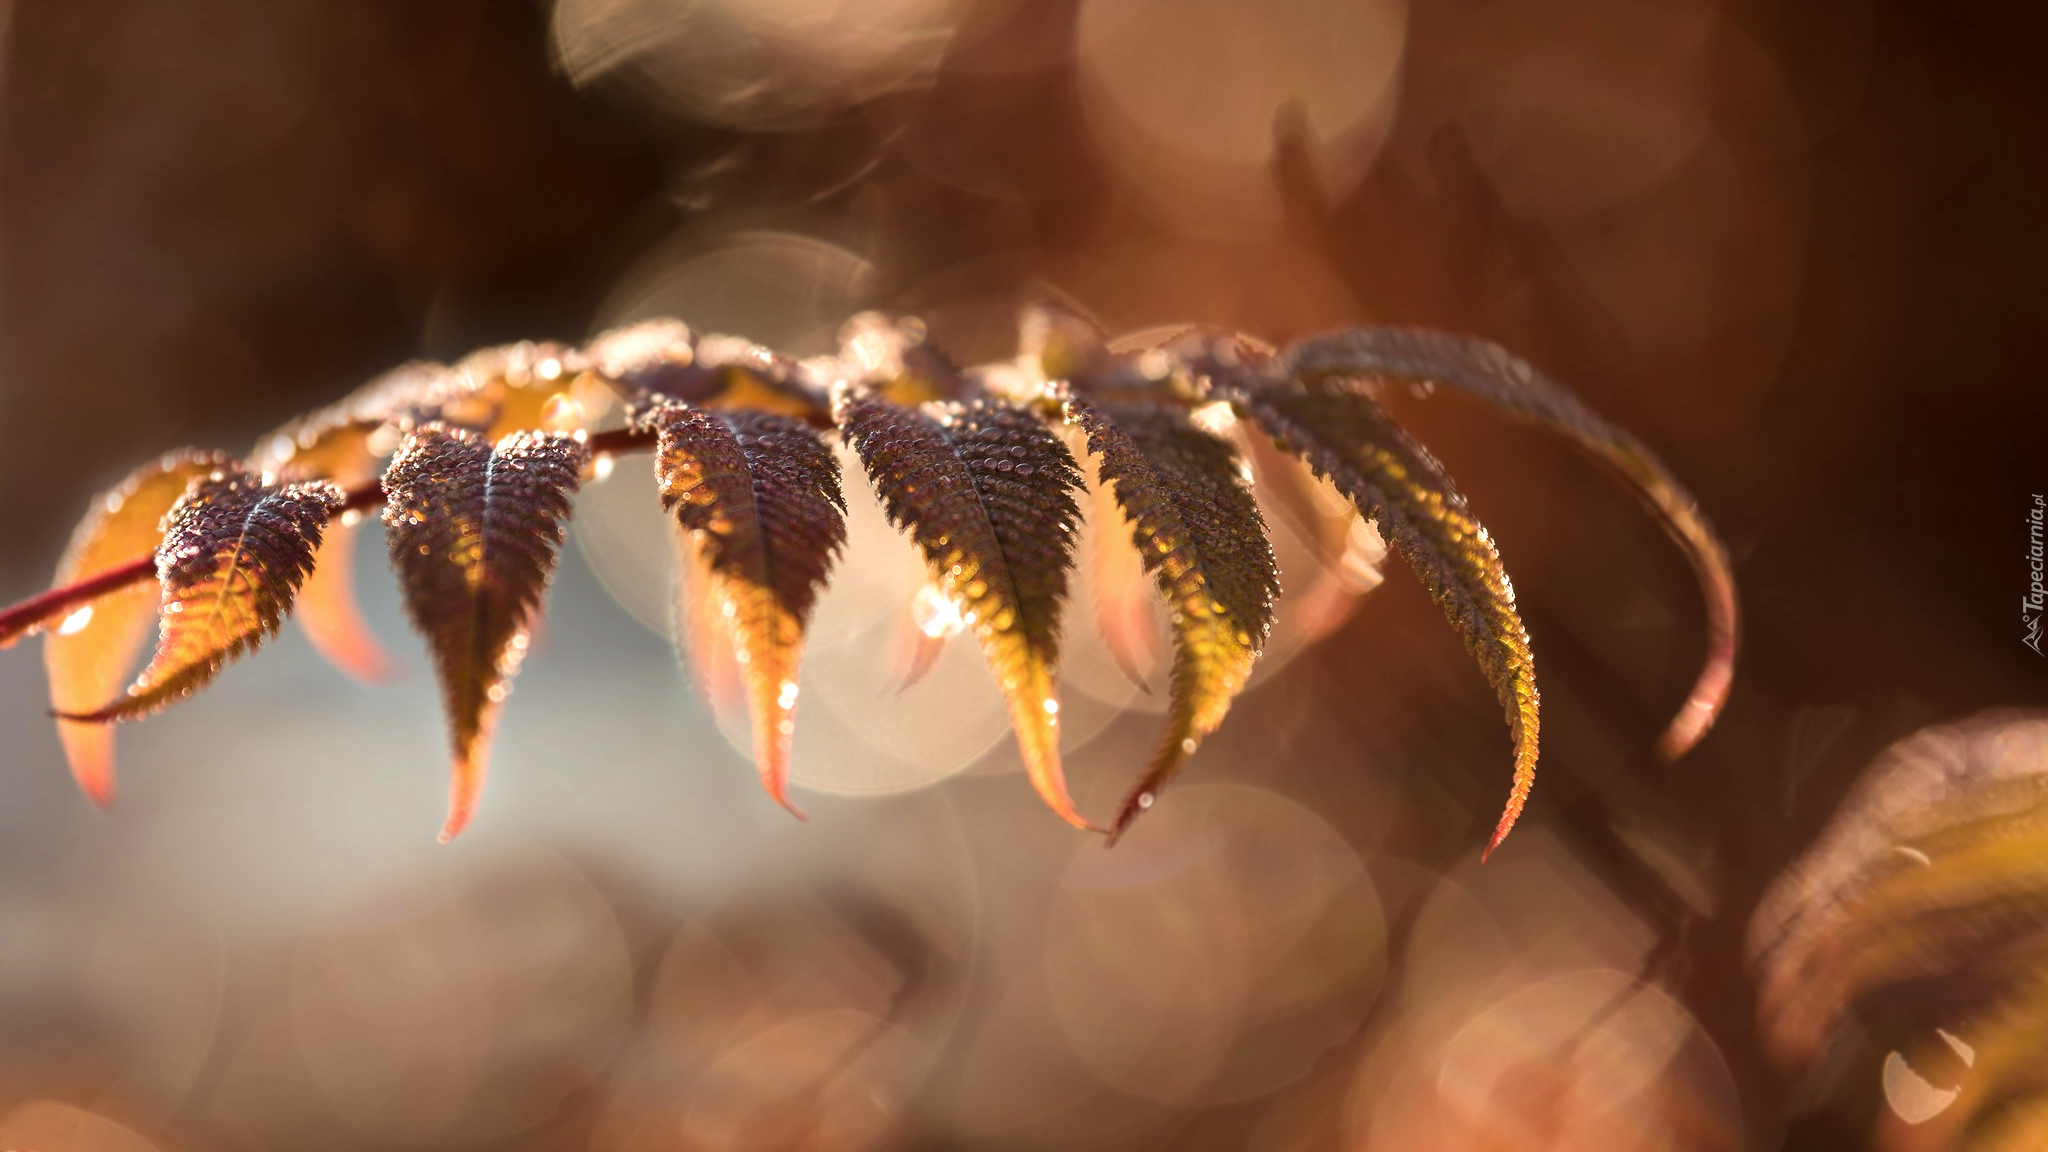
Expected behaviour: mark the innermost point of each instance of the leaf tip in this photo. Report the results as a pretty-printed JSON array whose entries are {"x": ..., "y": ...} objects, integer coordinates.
[
  {"x": 90, "y": 751},
  {"x": 465, "y": 786},
  {"x": 1700, "y": 709},
  {"x": 1035, "y": 721},
  {"x": 1136, "y": 804},
  {"x": 772, "y": 755},
  {"x": 1516, "y": 800}
]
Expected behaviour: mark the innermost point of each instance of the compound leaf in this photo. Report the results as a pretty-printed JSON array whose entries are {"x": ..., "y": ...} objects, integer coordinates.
[
  {"x": 1343, "y": 433},
  {"x": 1199, "y": 532},
  {"x": 987, "y": 492},
  {"x": 474, "y": 532},
  {"x": 89, "y": 654},
  {"x": 757, "y": 496},
  {"x": 1490, "y": 372},
  {"x": 235, "y": 549}
]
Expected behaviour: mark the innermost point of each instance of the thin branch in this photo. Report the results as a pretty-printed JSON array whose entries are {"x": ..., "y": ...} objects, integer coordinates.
[{"x": 32, "y": 614}]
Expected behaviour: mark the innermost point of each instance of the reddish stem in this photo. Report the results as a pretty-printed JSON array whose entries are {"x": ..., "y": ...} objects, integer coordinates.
[
  {"x": 25, "y": 616},
  {"x": 20, "y": 619}
]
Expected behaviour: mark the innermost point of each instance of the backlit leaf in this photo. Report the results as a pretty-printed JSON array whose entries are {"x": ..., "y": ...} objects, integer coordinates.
[
  {"x": 987, "y": 492},
  {"x": 329, "y": 437},
  {"x": 757, "y": 495},
  {"x": 1922, "y": 909},
  {"x": 474, "y": 532},
  {"x": 1344, "y": 434},
  {"x": 328, "y": 613},
  {"x": 892, "y": 357},
  {"x": 1200, "y": 534},
  {"x": 235, "y": 549},
  {"x": 1124, "y": 594},
  {"x": 89, "y": 655},
  {"x": 664, "y": 358},
  {"x": 513, "y": 388},
  {"x": 1062, "y": 342},
  {"x": 326, "y": 608},
  {"x": 1491, "y": 372}
]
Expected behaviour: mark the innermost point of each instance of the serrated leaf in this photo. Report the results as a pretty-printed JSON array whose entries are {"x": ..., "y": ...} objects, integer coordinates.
[
  {"x": 1199, "y": 532},
  {"x": 757, "y": 495},
  {"x": 235, "y": 549},
  {"x": 474, "y": 532},
  {"x": 88, "y": 656},
  {"x": 1343, "y": 433},
  {"x": 1490, "y": 372},
  {"x": 987, "y": 492}
]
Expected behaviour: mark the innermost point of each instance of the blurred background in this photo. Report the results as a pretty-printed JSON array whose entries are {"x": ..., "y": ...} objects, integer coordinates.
[{"x": 1794, "y": 246}]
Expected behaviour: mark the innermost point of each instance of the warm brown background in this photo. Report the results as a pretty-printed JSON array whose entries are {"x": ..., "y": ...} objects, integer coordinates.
[{"x": 1795, "y": 246}]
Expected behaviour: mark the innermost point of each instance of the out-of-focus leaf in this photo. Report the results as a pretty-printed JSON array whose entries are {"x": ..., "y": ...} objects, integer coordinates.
[
  {"x": 1344, "y": 434},
  {"x": 1062, "y": 342},
  {"x": 1123, "y": 594},
  {"x": 1489, "y": 371},
  {"x": 328, "y": 612},
  {"x": 892, "y": 357},
  {"x": 495, "y": 391},
  {"x": 757, "y": 495},
  {"x": 648, "y": 359},
  {"x": 1936, "y": 850},
  {"x": 664, "y": 358},
  {"x": 89, "y": 654},
  {"x": 234, "y": 552},
  {"x": 474, "y": 532},
  {"x": 1924, "y": 905},
  {"x": 987, "y": 492},
  {"x": 1200, "y": 534},
  {"x": 326, "y": 609},
  {"x": 523, "y": 387}
]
